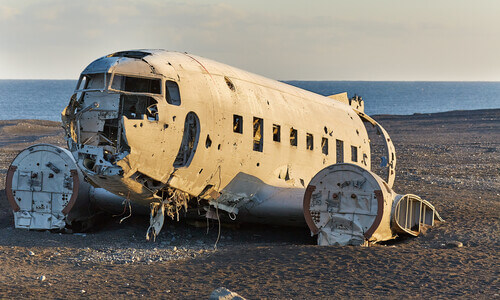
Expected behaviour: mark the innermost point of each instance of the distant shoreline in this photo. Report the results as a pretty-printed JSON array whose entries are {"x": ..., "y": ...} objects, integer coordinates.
[
  {"x": 449, "y": 112},
  {"x": 444, "y": 113},
  {"x": 45, "y": 99}
]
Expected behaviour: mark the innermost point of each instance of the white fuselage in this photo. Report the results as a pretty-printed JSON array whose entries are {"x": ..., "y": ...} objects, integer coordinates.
[{"x": 238, "y": 140}]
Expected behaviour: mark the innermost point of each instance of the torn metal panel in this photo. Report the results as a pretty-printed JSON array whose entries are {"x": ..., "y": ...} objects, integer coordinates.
[
  {"x": 252, "y": 200},
  {"x": 157, "y": 217}
]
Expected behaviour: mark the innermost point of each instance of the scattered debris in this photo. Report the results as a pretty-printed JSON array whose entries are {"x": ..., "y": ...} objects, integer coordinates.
[
  {"x": 454, "y": 244},
  {"x": 224, "y": 294}
]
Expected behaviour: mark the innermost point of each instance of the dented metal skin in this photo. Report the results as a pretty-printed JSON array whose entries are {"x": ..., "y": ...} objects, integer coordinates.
[{"x": 197, "y": 136}]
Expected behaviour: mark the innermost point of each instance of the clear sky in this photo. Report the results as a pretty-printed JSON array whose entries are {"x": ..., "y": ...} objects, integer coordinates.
[{"x": 308, "y": 40}]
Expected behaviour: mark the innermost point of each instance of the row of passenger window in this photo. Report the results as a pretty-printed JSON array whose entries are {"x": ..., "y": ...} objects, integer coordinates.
[{"x": 258, "y": 126}]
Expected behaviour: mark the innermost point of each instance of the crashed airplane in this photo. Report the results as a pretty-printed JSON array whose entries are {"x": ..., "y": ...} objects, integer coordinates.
[{"x": 182, "y": 135}]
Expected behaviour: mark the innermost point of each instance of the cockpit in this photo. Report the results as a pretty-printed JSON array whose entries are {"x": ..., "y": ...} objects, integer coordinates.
[{"x": 102, "y": 99}]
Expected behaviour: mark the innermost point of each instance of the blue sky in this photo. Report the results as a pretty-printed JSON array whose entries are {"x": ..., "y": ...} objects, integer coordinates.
[{"x": 306, "y": 40}]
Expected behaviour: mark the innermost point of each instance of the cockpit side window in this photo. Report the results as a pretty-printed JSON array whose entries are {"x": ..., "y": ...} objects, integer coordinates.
[
  {"x": 93, "y": 82},
  {"x": 82, "y": 83},
  {"x": 172, "y": 94}
]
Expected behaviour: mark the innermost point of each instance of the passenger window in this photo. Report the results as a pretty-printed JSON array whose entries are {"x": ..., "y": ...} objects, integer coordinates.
[
  {"x": 258, "y": 134},
  {"x": 293, "y": 137},
  {"x": 237, "y": 124},
  {"x": 309, "y": 141},
  {"x": 172, "y": 94},
  {"x": 324, "y": 146},
  {"x": 354, "y": 153},
  {"x": 276, "y": 133},
  {"x": 340, "y": 151}
]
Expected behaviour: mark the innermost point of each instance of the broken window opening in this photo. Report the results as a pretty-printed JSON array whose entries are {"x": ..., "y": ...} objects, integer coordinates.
[
  {"x": 293, "y": 137},
  {"x": 80, "y": 86},
  {"x": 258, "y": 126},
  {"x": 340, "y": 151},
  {"x": 208, "y": 142},
  {"x": 324, "y": 146},
  {"x": 189, "y": 141},
  {"x": 172, "y": 94},
  {"x": 229, "y": 83},
  {"x": 136, "y": 84},
  {"x": 354, "y": 153},
  {"x": 309, "y": 141},
  {"x": 135, "y": 106},
  {"x": 237, "y": 124},
  {"x": 276, "y": 133}
]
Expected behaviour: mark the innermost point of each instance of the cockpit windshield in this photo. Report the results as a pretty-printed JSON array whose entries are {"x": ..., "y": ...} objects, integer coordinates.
[{"x": 121, "y": 83}]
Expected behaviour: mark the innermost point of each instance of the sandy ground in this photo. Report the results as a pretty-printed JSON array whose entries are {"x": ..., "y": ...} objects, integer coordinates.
[{"x": 451, "y": 159}]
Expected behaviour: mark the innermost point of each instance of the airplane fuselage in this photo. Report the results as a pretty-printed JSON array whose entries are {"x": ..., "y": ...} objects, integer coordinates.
[{"x": 149, "y": 124}]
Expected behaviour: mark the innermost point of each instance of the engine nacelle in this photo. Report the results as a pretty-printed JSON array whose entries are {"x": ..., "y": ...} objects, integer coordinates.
[{"x": 345, "y": 204}]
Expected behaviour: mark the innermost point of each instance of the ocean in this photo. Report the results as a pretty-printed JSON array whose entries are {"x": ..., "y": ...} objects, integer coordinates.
[{"x": 45, "y": 99}]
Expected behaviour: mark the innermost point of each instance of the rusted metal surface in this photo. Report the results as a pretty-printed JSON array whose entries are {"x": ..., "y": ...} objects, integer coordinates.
[
  {"x": 8, "y": 188},
  {"x": 74, "y": 196},
  {"x": 380, "y": 211},
  {"x": 306, "y": 207}
]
